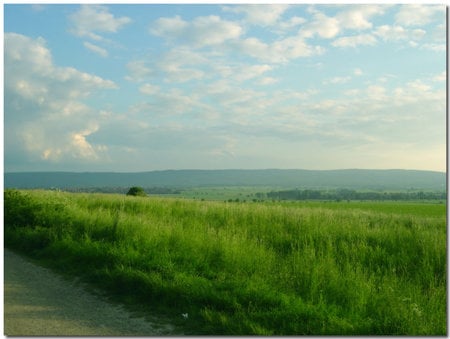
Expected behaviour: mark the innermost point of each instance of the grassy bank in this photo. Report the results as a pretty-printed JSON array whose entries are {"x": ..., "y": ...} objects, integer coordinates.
[{"x": 248, "y": 268}]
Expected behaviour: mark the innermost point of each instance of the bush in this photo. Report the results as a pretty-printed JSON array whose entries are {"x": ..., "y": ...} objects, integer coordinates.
[
  {"x": 137, "y": 192},
  {"x": 20, "y": 208}
]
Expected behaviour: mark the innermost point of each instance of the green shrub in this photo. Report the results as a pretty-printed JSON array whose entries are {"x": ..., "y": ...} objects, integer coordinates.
[
  {"x": 20, "y": 209},
  {"x": 137, "y": 192}
]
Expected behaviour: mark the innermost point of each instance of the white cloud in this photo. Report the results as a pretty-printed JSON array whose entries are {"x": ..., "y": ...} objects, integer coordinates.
[
  {"x": 376, "y": 92},
  {"x": 227, "y": 36},
  {"x": 355, "y": 40},
  {"x": 267, "y": 81},
  {"x": 280, "y": 51},
  {"x": 183, "y": 74},
  {"x": 177, "y": 65},
  {"x": 435, "y": 47},
  {"x": 337, "y": 80},
  {"x": 322, "y": 25},
  {"x": 202, "y": 31},
  {"x": 93, "y": 19},
  {"x": 439, "y": 33},
  {"x": 149, "y": 89},
  {"x": 440, "y": 77},
  {"x": 43, "y": 103},
  {"x": 162, "y": 105},
  {"x": 358, "y": 72},
  {"x": 202, "y": 89},
  {"x": 253, "y": 47},
  {"x": 181, "y": 65},
  {"x": 96, "y": 49},
  {"x": 252, "y": 71},
  {"x": 38, "y": 7},
  {"x": 419, "y": 14},
  {"x": 237, "y": 103},
  {"x": 357, "y": 16},
  {"x": 138, "y": 71},
  {"x": 354, "y": 17},
  {"x": 40, "y": 141},
  {"x": 83, "y": 148},
  {"x": 30, "y": 62},
  {"x": 291, "y": 23},
  {"x": 277, "y": 119},
  {"x": 352, "y": 92},
  {"x": 169, "y": 27},
  {"x": 262, "y": 15},
  {"x": 418, "y": 86},
  {"x": 240, "y": 72},
  {"x": 395, "y": 33}
]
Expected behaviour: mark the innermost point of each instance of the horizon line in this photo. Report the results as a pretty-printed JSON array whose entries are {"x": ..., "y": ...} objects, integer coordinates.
[{"x": 229, "y": 169}]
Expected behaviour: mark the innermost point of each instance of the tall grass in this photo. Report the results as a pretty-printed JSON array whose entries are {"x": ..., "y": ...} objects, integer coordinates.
[{"x": 247, "y": 268}]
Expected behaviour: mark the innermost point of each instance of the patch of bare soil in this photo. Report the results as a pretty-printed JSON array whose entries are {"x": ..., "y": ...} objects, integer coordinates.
[{"x": 39, "y": 302}]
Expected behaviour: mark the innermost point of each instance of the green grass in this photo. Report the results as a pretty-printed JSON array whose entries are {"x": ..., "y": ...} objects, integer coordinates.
[{"x": 272, "y": 268}]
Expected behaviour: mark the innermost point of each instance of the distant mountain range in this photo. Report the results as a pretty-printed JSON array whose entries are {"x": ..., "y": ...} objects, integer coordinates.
[{"x": 360, "y": 179}]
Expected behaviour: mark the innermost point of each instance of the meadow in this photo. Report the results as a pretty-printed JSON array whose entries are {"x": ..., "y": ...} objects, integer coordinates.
[{"x": 243, "y": 268}]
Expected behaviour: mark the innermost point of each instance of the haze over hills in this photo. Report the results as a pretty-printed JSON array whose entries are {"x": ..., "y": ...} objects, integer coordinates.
[{"x": 359, "y": 179}]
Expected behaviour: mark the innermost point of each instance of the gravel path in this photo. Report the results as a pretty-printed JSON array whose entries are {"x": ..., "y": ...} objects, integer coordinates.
[{"x": 39, "y": 302}]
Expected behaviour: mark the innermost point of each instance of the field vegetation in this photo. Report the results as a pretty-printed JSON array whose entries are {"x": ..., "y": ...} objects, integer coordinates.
[{"x": 266, "y": 268}]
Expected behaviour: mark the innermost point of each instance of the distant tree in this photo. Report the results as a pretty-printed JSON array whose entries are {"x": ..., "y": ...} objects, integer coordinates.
[{"x": 137, "y": 192}]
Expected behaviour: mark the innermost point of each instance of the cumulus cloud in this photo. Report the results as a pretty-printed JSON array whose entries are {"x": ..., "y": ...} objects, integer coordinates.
[
  {"x": 321, "y": 25},
  {"x": 44, "y": 110},
  {"x": 203, "y": 88},
  {"x": 93, "y": 19},
  {"x": 202, "y": 31},
  {"x": 177, "y": 65},
  {"x": 358, "y": 16},
  {"x": 280, "y": 51},
  {"x": 181, "y": 65},
  {"x": 394, "y": 33},
  {"x": 262, "y": 15},
  {"x": 419, "y": 14},
  {"x": 413, "y": 112},
  {"x": 84, "y": 149},
  {"x": 240, "y": 72},
  {"x": 29, "y": 69},
  {"x": 291, "y": 23},
  {"x": 90, "y": 21}
]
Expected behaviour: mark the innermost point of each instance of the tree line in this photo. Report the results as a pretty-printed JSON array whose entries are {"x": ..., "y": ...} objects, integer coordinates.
[{"x": 348, "y": 194}]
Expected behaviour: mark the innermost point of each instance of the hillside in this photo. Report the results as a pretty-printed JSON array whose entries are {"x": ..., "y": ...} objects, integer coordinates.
[{"x": 317, "y": 179}]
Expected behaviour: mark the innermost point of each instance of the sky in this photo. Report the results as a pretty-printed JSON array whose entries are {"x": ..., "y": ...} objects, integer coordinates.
[{"x": 145, "y": 87}]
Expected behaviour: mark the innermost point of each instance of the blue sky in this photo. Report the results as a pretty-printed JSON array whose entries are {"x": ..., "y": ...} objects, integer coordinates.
[{"x": 150, "y": 87}]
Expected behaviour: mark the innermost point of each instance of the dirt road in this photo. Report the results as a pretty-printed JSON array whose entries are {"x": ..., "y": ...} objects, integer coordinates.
[{"x": 39, "y": 302}]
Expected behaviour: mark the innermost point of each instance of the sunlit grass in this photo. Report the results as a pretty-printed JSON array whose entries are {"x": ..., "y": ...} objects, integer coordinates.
[{"x": 248, "y": 268}]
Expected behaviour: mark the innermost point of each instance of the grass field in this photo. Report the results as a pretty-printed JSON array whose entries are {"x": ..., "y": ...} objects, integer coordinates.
[{"x": 271, "y": 268}]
